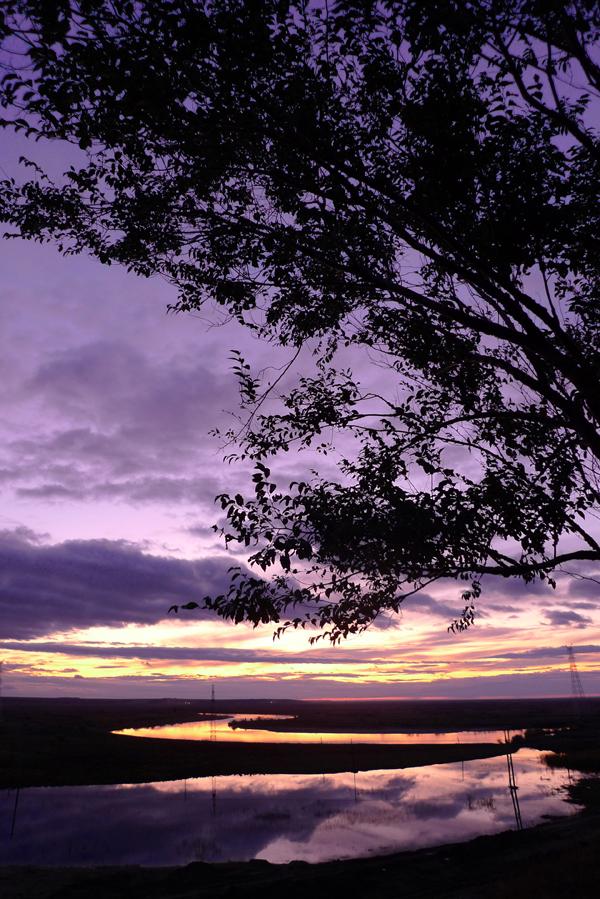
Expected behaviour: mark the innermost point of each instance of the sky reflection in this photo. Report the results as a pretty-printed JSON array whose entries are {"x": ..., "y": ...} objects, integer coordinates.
[
  {"x": 224, "y": 730},
  {"x": 278, "y": 818}
]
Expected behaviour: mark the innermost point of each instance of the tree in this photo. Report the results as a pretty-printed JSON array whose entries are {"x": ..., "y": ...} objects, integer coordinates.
[{"x": 412, "y": 182}]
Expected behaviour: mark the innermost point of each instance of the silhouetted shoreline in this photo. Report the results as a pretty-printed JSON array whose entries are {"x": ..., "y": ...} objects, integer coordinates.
[
  {"x": 59, "y": 742},
  {"x": 69, "y": 742}
]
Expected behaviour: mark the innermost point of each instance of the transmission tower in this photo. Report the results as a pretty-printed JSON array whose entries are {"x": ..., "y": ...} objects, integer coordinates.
[
  {"x": 213, "y": 737},
  {"x": 213, "y": 714},
  {"x": 576, "y": 685},
  {"x": 512, "y": 783}
]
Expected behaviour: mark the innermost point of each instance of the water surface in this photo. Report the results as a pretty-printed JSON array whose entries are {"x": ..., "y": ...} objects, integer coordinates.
[
  {"x": 278, "y": 817},
  {"x": 229, "y": 729}
]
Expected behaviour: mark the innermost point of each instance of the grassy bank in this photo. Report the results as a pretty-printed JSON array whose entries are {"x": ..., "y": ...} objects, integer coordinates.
[
  {"x": 69, "y": 741},
  {"x": 549, "y": 862},
  {"x": 64, "y": 746}
]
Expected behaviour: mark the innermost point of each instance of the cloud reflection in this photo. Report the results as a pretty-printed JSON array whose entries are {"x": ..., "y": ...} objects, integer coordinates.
[{"x": 278, "y": 818}]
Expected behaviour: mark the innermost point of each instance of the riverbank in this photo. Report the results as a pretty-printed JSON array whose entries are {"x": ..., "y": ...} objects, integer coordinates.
[
  {"x": 90, "y": 757},
  {"x": 550, "y": 861},
  {"x": 69, "y": 742},
  {"x": 63, "y": 742}
]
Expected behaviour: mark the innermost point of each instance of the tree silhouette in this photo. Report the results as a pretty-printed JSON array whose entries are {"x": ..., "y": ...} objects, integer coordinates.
[{"x": 409, "y": 183}]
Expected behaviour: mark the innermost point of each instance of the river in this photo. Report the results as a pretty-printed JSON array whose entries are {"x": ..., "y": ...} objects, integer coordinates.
[{"x": 279, "y": 817}]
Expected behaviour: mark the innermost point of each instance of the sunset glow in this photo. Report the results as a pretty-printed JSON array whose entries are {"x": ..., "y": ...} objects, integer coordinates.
[{"x": 108, "y": 478}]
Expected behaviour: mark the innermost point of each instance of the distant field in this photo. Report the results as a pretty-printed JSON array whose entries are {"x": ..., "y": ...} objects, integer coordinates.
[
  {"x": 69, "y": 741},
  {"x": 423, "y": 716},
  {"x": 400, "y": 715}
]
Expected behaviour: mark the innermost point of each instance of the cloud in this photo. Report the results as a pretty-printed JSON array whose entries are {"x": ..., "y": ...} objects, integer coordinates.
[
  {"x": 49, "y": 492},
  {"x": 503, "y": 607},
  {"x": 270, "y": 686},
  {"x": 114, "y": 381},
  {"x": 562, "y": 617},
  {"x": 423, "y": 602},
  {"x": 514, "y": 587},
  {"x": 181, "y": 653},
  {"x": 80, "y": 583},
  {"x": 547, "y": 652},
  {"x": 587, "y": 585},
  {"x": 118, "y": 425},
  {"x": 137, "y": 490}
]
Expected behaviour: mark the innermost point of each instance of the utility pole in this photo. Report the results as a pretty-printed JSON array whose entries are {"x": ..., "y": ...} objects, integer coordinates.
[{"x": 576, "y": 686}]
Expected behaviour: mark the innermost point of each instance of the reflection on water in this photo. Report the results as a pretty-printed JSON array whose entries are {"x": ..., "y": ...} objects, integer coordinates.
[
  {"x": 278, "y": 817},
  {"x": 230, "y": 730}
]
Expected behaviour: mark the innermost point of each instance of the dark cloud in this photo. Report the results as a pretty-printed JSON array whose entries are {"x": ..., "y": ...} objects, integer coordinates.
[
  {"x": 547, "y": 652},
  {"x": 423, "y": 602},
  {"x": 502, "y": 607},
  {"x": 49, "y": 492},
  {"x": 514, "y": 587},
  {"x": 181, "y": 653},
  {"x": 587, "y": 585},
  {"x": 138, "y": 490},
  {"x": 115, "y": 382},
  {"x": 120, "y": 426},
  {"x": 561, "y": 617},
  {"x": 161, "y": 490},
  {"x": 200, "y": 530},
  {"x": 79, "y": 583},
  {"x": 195, "y": 685}
]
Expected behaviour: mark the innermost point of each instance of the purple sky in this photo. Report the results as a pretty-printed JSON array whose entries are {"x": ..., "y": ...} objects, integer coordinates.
[{"x": 108, "y": 476}]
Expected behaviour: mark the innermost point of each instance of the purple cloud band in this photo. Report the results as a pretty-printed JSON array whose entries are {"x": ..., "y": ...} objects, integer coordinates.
[{"x": 80, "y": 583}]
